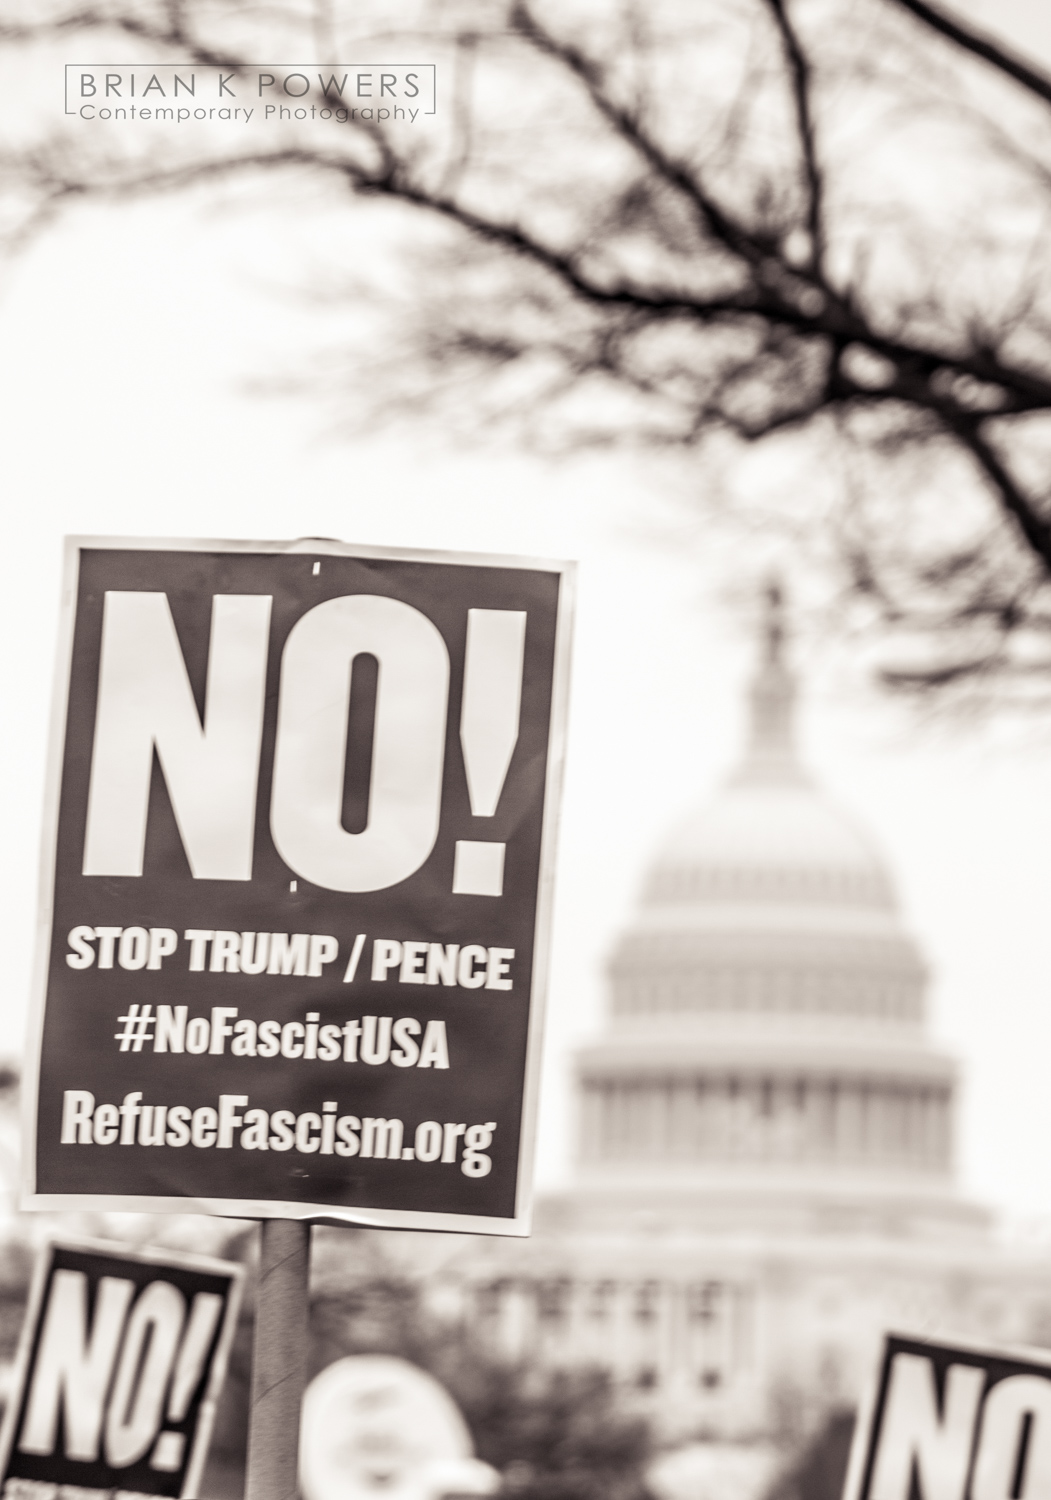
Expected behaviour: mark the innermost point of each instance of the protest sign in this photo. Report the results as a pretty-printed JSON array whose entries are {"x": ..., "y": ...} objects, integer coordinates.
[
  {"x": 954, "y": 1421},
  {"x": 298, "y": 867},
  {"x": 119, "y": 1370}
]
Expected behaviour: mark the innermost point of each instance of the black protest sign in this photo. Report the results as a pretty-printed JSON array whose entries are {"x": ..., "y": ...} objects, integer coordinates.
[
  {"x": 299, "y": 855},
  {"x": 120, "y": 1367},
  {"x": 954, "y": 1422}
]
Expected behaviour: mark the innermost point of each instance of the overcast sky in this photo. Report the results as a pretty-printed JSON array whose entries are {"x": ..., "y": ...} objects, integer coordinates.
[{"x": 126, "y": 336}]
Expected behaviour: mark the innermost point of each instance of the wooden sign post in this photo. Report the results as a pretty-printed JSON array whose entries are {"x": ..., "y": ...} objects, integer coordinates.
[{"x": 278, "y": 1360}]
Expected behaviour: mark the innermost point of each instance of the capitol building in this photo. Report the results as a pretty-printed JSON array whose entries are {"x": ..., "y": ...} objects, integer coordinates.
[{"x": 764, "y": 1180}]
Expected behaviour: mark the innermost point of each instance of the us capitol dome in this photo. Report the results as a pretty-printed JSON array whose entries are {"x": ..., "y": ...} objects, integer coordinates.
[{"x": 767, "y": 1064}]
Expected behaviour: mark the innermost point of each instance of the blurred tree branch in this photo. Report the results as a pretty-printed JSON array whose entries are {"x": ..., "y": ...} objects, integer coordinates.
[{"x": 731, "y": 223}]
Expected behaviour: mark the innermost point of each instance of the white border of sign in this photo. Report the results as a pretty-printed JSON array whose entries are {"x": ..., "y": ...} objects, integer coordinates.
[
  {"x": 147, "y": 1255},
  {"x": 244, "y": 1208}
]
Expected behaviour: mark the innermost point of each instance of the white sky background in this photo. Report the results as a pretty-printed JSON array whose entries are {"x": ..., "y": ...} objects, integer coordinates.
[{"x": 125, "y": 335}]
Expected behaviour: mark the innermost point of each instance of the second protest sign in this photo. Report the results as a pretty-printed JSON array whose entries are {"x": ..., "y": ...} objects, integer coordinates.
[
  {"x": 119, "y": 1370},
  {"x": 299, "y": 861}
]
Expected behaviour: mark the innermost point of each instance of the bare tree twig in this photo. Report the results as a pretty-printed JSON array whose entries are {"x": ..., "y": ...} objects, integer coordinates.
[
  {"x": 801, "y": 75},
  {"x": 976, "y": 42}
]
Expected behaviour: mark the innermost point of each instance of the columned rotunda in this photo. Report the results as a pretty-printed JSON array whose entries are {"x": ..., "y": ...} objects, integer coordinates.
[{"x": 766, "y": 1062}]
